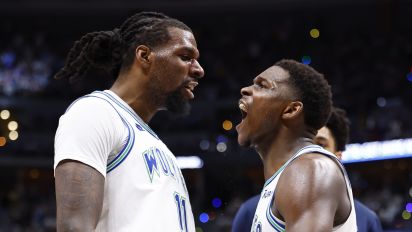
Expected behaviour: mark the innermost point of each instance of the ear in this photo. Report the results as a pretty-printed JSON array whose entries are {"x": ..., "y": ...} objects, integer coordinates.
[
  {"x": 339, "y": 155},
  {"x": 144, "y": 56},
  {"x": 292, "y": 110}
]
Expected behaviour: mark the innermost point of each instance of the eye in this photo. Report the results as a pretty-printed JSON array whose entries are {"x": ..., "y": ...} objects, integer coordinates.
[
  {"x": 322, "y": 144},
  {"x": 186, "y": 58},
  {"x": 260, "y": 85}
]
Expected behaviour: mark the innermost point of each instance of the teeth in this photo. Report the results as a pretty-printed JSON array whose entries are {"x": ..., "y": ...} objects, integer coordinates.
[
  {"x": 191, "y": 85},
  {"x": 242, "y": 106}
]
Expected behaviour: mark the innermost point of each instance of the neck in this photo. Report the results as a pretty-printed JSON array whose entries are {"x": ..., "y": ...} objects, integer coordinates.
[
  {"x": 277, "y": 152},
  {"x": 132, "y": 89}
]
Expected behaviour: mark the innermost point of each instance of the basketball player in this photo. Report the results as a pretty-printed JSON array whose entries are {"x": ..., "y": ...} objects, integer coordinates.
[
  {"x": 281, "y": 113},
  {"x": 112, "y": 171},
  {"x": 333, "y": 137}
]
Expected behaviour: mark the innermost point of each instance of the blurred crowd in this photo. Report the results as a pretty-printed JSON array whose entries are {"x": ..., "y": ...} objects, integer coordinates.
[
  {"x": 25, "y": 66},
  {"x": 366, "y": 64}
]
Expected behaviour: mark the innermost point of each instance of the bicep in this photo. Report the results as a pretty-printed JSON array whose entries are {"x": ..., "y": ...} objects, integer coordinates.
[
  {"x": 79, "y": 196},
  {"x": 306, "y": 195},
  {"x": 316, "y": 218}
]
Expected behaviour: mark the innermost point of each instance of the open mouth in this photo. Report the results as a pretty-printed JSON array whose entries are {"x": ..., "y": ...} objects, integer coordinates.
[
  {"x": 189, "y": 89},
  {"x": 191, "y": 85},
  {"x": 243, "y": 109}
]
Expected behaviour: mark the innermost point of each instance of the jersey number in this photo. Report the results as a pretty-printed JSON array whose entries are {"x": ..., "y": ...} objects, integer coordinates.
[{"x": 181, "y": 210}]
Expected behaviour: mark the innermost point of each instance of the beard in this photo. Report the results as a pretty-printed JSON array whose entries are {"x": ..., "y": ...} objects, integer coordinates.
[
  {"x": 177, "y": 104},
  {"x": 173, "y": 101}
]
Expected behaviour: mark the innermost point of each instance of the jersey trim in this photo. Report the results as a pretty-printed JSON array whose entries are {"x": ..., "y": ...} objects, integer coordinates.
[
  {"x": 132, "y": 113},
  {"x": 278, "y": 224},
  {"x": 122, "y": 155},
  {"x": 70, "y": 106},
  {"x": 273, "y": 220},
  {"x": 268, "y": 181}
]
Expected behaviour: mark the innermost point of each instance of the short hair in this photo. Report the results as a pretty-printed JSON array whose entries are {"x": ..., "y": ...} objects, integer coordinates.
[
  {"x": 338, "y": 125},
  {"x": 113, "y": 51},
  {"x": 312, "y": 89}
]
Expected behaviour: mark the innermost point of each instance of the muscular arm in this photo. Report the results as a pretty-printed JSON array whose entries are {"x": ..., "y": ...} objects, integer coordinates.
[
  {"x": 308, "y": 194},
  {"x": 79, "y": 196}
]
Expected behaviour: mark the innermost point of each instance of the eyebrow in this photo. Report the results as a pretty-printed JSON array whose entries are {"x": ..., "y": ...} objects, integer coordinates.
[
  {"x": 321, "y": 137},
  {"x": 264, "y": 79},
  {"x": 192, "y": 51}
]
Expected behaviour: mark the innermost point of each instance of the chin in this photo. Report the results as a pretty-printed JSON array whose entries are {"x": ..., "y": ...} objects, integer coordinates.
[
  {"x": 177, "y": 104},
  {"x": 243, "y": 142}
]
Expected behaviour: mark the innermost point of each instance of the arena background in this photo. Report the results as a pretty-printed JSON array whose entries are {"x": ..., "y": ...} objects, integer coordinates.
[{"x": 363, "y": 47}]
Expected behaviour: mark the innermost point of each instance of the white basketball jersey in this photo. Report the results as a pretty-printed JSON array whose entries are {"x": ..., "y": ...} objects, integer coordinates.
[
  {"x": 264, "y": 220},
  {"x": 144, "y": 188}
]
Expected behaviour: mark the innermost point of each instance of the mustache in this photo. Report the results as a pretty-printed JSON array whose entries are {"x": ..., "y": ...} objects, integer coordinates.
[{"x": 183, "y": 85}]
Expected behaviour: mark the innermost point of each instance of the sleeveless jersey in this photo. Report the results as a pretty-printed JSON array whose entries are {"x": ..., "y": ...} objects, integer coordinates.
[
  {"x": 264, "y": 220},
  {"x": 144, "y": 188}
]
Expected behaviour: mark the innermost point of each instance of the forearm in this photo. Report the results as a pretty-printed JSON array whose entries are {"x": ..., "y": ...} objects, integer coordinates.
[{"x": 79, "y": 196}]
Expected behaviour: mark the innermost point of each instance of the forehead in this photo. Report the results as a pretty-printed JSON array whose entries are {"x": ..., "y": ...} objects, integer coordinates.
[
  {"x": 181, "y": 39},
  {"x": 325, "y": 133},
  {"x": 275, "y": 73}
]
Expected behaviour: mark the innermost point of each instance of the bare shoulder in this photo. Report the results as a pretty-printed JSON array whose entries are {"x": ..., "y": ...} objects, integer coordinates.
[
  {"x": 310, "y": 178},
  {"x": 313, "y": 167}
]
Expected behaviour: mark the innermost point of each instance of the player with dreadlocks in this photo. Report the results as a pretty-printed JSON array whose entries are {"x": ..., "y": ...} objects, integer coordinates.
[{"x": 112, "y": 171}]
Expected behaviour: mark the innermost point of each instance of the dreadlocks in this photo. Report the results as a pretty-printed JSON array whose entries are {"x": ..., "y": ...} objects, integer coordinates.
[{"x": 114, "y": 51}]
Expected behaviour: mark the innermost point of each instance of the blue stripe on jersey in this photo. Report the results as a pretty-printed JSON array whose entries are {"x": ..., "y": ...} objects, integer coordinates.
[
  {"x": 268, "y": 181},
  {"x": 132, "y": 113},
  {"x": 274, "y": 176},
  {"x": 122, "y": 155},
  {"x": 128, "y": 139},
  {"x": 273, "y": 221},
  {"x": 276, "y": 223}
]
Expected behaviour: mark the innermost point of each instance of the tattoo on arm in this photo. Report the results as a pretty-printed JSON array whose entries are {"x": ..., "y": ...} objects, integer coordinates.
[{"x": 79, "y": 196}]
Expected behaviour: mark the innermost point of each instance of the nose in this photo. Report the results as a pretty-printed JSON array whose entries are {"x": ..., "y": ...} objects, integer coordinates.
[
  {"x": 246, "y": 91},
  {"x": 196, "y": 70}
]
